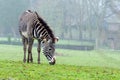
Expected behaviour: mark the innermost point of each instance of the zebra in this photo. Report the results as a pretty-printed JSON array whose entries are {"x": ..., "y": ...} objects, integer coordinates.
[{"x": 31, "y": 27}]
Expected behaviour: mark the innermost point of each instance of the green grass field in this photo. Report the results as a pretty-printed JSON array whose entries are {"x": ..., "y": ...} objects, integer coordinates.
[
  {"x": 12, "y": 70},
  {"x": 71, "y": 65}
]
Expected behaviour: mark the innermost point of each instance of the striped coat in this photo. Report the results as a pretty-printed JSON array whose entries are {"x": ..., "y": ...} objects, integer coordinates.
[{"x": 32, "y": 26}]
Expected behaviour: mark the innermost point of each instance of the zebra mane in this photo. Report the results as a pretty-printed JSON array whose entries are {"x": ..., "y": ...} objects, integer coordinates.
[{"x": 46, "y": 27}]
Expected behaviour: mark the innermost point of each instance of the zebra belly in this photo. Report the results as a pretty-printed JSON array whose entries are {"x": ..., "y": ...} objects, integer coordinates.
[{"x": 25, "y": 34}]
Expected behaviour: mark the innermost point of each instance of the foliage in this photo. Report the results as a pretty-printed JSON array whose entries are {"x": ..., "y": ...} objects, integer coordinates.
[
  {"x": 9, "y": 15},
  {"x": 69, "y": 19}
]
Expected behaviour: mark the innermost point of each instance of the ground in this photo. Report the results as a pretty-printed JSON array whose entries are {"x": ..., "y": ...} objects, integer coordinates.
[{"x": 71, "y": 65}]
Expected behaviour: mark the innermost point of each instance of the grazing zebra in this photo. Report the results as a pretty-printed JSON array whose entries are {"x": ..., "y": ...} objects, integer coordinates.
[{"x": 32, "y": 26}]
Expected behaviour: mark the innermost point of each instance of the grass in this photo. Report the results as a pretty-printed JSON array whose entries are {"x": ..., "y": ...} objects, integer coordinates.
[
  {"x": 13, "y": 70},
  {"x": 71, "y": 65},
  {"x": 100, "y": 58}
]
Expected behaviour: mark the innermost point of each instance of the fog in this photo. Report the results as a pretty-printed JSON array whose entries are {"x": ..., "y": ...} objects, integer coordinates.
[
  {"x": 88, "y": 30},
  {"x": 95, "y": 23}
]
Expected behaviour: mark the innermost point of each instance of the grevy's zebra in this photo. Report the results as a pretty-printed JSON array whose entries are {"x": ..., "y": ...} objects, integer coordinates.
[{"x": 32, "y": 26}]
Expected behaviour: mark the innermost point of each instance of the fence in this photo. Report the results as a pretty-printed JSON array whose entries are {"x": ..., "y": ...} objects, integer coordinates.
[{"x": 60, "y": 46}]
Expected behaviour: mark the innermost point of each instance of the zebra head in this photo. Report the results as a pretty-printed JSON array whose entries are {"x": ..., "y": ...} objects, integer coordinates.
[{"x": 49, "y": 51}]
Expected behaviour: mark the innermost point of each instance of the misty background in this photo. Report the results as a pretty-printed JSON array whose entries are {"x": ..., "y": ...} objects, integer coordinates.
[{"x": 90, "y": 23}]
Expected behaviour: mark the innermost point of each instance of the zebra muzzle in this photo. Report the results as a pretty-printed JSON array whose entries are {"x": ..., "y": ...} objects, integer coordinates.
[{"x": 52, "y": 61}]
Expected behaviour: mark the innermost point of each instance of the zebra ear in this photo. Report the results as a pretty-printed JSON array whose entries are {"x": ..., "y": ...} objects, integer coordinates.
[{"x": 56, "y": 39}]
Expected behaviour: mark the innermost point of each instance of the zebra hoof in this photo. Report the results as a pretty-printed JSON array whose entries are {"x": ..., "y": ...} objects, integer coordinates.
[
  {"x": 27, "y": 60},
  {"x": 24, "y": 60},
  {"x": 38, "y": 62},
  {"x": 31, "y": 60}
]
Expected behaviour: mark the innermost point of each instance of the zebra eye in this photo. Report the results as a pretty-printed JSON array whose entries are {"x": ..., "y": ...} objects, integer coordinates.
[{"x": 50, "y": 49}]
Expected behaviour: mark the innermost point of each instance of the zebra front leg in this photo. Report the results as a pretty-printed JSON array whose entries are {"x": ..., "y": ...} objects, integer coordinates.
[
  {"x": 24, "y": 40},
  {"x": 30, "y": 43},
  {"x": 39, "y": 49}
]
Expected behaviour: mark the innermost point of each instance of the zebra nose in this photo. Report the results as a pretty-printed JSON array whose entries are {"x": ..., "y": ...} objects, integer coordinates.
[{"x": 52, "y": 62}]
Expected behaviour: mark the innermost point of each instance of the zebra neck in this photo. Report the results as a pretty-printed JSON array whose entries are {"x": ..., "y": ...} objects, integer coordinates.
[
  {"x": 42, "y": 31},
  {"x": 41, "y": 34}
]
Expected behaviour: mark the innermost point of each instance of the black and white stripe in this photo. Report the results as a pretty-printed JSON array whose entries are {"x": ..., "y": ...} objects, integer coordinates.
[{"x": 39, "y": 31}]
